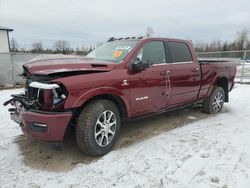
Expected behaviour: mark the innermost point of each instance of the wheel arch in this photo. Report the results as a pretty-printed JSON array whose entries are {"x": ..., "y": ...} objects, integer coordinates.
[
  {"x": 115, "y": 99},
  {"x": 223, "y": 82},
  {"x": 109, "y": 94}
]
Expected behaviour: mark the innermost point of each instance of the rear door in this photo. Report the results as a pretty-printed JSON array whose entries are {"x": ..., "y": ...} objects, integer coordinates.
[{"x": 184, "y": 74}]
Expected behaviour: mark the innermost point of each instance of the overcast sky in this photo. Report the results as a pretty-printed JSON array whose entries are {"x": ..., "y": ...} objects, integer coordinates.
[{"x": 81, "y": 21}]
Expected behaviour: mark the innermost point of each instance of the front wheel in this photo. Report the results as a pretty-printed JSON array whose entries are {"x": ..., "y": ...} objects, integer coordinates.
[
  {"x": 98, "y": 127},
  {"x": 214, "y": 102}
]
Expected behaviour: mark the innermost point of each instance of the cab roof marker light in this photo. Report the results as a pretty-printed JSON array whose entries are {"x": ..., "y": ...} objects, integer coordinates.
[
  {"x": 127, "y": 38},
  {"x": 111, "y": 39}
]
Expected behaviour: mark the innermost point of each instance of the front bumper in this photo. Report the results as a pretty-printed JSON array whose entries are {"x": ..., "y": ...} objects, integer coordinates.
[{"x": 47, "y": 126}]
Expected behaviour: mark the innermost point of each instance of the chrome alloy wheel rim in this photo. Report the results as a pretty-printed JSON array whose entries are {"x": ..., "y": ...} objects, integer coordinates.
[
  {"x": 105, "y": 128},
  {"x": 218, "y": 102}
]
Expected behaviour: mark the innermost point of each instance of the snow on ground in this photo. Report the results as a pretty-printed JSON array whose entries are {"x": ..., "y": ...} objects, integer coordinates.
[
  {"x": 198, "y": 151},
  {"x": 8, "y": 128}
]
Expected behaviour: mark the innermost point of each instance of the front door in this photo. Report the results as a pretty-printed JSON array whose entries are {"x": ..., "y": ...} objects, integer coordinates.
[{"x": 147, "y": 88}]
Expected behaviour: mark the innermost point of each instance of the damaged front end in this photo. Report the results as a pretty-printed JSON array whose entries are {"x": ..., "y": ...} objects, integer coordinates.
[
  {"x": 37, "y": 96},
  {"x": 39, "y": 110}
]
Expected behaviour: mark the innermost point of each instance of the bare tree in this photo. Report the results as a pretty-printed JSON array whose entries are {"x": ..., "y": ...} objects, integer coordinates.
[
  {"x": 242, "y": 39},
  {"x": 37, "y": 47},
  {"x": 62, "y": 46},
  {"x": 149, "y": 31},
  {"x": 200, "y": 46},
  {"x": 225, "y": 46},
  {"x": 215, "y": 45},
  {"x": 99, "y": 43},
  {"x": 13, "y": 45}
]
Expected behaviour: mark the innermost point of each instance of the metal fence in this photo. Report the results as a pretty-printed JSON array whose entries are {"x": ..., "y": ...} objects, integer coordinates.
[{"x": 11, "y": 65}]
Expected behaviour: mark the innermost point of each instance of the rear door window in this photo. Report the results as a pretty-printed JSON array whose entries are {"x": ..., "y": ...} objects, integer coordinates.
[{"x": 179, "y": 52}]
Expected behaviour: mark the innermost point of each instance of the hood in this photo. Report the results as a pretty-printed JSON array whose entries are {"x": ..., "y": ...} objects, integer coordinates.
[{"x": 62, "y": 64}]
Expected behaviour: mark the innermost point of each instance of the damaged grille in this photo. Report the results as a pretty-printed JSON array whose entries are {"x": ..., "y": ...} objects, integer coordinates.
[{"x": 41, "y": 94}]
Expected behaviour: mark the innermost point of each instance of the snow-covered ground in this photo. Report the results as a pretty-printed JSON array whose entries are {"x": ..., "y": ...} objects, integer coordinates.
[{"x": 185, "y": 148}]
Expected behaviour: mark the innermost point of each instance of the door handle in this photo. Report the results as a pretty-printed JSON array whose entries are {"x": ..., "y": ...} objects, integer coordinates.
[
  {"x": 163, "y": 73},
  {"x": 168, "y": 83},
  {"x": 196, "y": 69}
]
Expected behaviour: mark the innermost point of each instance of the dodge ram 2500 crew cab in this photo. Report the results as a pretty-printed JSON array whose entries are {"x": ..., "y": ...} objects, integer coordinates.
[{"x": 121, "y": 80}]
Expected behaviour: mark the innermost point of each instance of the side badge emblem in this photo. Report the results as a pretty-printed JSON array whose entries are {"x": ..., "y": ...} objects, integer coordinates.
[{"x": 125, "y": 83}]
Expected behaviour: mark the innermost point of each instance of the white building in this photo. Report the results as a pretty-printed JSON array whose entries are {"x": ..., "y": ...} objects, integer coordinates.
[{"x": 4, "y": 39}]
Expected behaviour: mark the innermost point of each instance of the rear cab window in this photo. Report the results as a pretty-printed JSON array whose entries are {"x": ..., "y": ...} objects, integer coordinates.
[{"x": 180, "y": 52}]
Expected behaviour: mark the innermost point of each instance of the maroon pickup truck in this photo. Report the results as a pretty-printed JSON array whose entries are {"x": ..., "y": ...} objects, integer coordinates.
[{"x": 121, "y": 80}]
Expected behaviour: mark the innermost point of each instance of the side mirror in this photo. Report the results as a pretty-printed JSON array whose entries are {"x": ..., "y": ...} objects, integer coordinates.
[{"x": 138, "y": 66}]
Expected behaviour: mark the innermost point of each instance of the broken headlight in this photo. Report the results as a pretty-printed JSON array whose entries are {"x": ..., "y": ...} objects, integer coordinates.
[{"x": 49, "y": 94}]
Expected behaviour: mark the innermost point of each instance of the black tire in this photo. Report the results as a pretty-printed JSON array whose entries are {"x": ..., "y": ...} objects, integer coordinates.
[
  {"x": 210, "y": 105},
  {"x": 88, "y": 138}
]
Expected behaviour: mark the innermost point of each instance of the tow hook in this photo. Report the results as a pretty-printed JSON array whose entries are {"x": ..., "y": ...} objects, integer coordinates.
[{"x": 8, "y": 102}]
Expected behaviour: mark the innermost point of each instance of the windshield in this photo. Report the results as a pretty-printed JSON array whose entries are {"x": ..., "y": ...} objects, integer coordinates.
[{"x": 114, "y": 51}]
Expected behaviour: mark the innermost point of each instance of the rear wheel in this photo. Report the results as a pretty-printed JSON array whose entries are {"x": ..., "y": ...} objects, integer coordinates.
[
  {"x": 98, "y": 127},
  {"x": 214, "y": 102}
]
